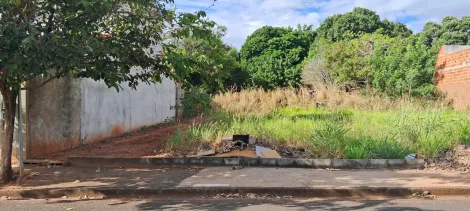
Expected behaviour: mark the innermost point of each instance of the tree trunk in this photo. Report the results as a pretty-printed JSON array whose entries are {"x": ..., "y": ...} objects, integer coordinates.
[{"x": 9, "y": 102}]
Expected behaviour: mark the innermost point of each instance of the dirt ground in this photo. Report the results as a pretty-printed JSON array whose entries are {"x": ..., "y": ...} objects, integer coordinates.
[{"x": 150, "y": 142}]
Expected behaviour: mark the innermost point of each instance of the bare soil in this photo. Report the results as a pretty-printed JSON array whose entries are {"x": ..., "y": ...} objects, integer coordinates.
[{"x": 149, "y": 142}]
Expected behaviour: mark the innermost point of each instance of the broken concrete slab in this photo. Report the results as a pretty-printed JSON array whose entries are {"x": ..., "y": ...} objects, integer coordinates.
[
  {"x": 206, "y": 153},
  {"x": 260, "y": 150},
  {"x": 239, "y": 153}
]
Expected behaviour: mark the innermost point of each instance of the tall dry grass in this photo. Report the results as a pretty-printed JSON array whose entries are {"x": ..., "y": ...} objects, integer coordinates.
[
  {"x": 368, "y": 99},
  {"x": 259, "y": 102}
]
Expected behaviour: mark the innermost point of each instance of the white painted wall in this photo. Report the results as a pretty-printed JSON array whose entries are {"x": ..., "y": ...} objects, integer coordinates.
[{"x": 103, "y": 108}]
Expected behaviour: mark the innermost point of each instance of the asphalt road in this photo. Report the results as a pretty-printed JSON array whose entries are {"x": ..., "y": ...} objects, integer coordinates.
[{"x": 236, "y": 204}]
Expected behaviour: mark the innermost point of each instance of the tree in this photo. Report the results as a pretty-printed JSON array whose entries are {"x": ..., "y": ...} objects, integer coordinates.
[
  {"x": 272, "y": 56},
  {"x": 390, "y": 65},
  {"x": 452, "y": 31},
  {"x": 347, "y": 60},
  {"x": 360, "y": 21},
  {"x": 455, "y": 31},
  {"x": 405, "y": 66},
  {"x": 431, "y": 33},
  {"x": 209, "y": 64},
  {"x": 97, "y": 39}
]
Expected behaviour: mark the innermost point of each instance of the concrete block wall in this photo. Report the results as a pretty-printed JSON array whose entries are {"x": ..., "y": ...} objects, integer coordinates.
[
  {"x": 453, "y": 74},
  {"x": 106, "y": 112},
  {"x": 66, "y": 113},
  {"x": 52, "y": 116}
]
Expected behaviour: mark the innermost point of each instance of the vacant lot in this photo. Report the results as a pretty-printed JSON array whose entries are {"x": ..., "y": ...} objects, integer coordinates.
[{"x": 333, "y": 124}]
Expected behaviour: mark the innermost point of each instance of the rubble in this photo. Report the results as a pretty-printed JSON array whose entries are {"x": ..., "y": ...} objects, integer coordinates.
[
  {"x": 246, "y": 142},
  {"x": 259, "y": 151},
  {"x": 206, "y": 153},
  {"x": 248, "y": 195},
  {"x": 424, "y": 195}
]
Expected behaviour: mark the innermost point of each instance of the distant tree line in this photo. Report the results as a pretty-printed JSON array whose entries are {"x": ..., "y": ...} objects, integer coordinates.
[{"x": 357, "y": 48}]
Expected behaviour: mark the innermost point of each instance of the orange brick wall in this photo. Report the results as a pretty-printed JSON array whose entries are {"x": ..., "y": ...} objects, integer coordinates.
[{"x": 453, "y": 74}]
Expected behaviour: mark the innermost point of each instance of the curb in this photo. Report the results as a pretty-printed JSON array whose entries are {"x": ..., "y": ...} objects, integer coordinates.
[
  {"x": 249, "y": 162},
  {"x": 301, "y": 192}
]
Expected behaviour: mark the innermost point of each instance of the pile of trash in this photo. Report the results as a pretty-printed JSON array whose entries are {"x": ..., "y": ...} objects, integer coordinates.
[{"x": 243, "y": 146}]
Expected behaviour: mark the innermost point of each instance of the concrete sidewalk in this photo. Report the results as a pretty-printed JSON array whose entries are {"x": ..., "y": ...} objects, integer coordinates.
[
  {"x": 285, "y": 177},
  {"x": 81, "y": 178}
]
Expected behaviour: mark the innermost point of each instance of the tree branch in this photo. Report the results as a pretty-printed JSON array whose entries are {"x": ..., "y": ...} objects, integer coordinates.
[{"x": 49, "y": 22}]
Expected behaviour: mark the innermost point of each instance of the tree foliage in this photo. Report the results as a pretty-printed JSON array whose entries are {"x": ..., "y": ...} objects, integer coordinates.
[
  {"x": 391, "y": 65},
  {"x": 207, "y": 63},
  {"x": 273, "y": 55},
  {"x": 405, "y": 66},
  {"x": 347, "y": 60},
  {"x": 452, "y": 31},
  {"x": 98, "y": 39},
  {"x": 360, "y": 21}
]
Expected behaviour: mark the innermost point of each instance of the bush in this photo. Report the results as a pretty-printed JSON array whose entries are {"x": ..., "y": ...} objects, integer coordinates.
[
  {"x": 195, "y": 103},
  {"x": 393, "y": 66}
]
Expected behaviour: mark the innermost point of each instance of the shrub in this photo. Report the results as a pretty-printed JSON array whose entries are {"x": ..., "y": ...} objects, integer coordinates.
[{"x": 196, "y": 102}]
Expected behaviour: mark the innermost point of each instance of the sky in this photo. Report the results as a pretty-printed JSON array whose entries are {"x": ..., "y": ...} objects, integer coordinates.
[{"x": 243, "y": 17}]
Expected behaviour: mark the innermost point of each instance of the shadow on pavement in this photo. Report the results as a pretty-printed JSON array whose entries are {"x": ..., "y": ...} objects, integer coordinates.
[{"x": 261, "y": 204}]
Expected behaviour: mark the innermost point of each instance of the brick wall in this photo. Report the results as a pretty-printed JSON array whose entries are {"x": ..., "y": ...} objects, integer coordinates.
[{"x": 453, "y": 74}]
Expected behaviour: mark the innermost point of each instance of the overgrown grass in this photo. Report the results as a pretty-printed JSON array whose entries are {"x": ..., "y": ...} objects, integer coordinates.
[{"x": 350, "y": 129}]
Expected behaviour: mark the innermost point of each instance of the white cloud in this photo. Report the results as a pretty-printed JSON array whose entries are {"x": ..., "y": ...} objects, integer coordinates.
[{"x": 243, "y": 17}]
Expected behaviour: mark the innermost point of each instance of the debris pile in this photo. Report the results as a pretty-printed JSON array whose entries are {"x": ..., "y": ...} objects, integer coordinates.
[
  {"x": 247, "y": 195},
  {"x": 425, "y": 195},
  {"x": 241, "y": 146},
  {"x": 247, "y": 146}
]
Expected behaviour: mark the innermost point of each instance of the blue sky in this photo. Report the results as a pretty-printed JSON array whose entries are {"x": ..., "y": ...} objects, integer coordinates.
[{"x": 242, "y": 17}]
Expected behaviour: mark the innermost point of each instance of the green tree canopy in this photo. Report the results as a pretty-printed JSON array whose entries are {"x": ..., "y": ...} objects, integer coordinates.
[
  {"x": 391, "y": 65},
  {"x": 358, "y": 22},
  {"x": 208, "y": 63},
  {"x": 452, "y": 31},
  {"x": 97, "y": 39},
  {"x": 273, "y": 55}
]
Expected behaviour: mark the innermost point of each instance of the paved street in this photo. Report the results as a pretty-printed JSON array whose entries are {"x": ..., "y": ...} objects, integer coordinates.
[{"x": 238, "y": 204}]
